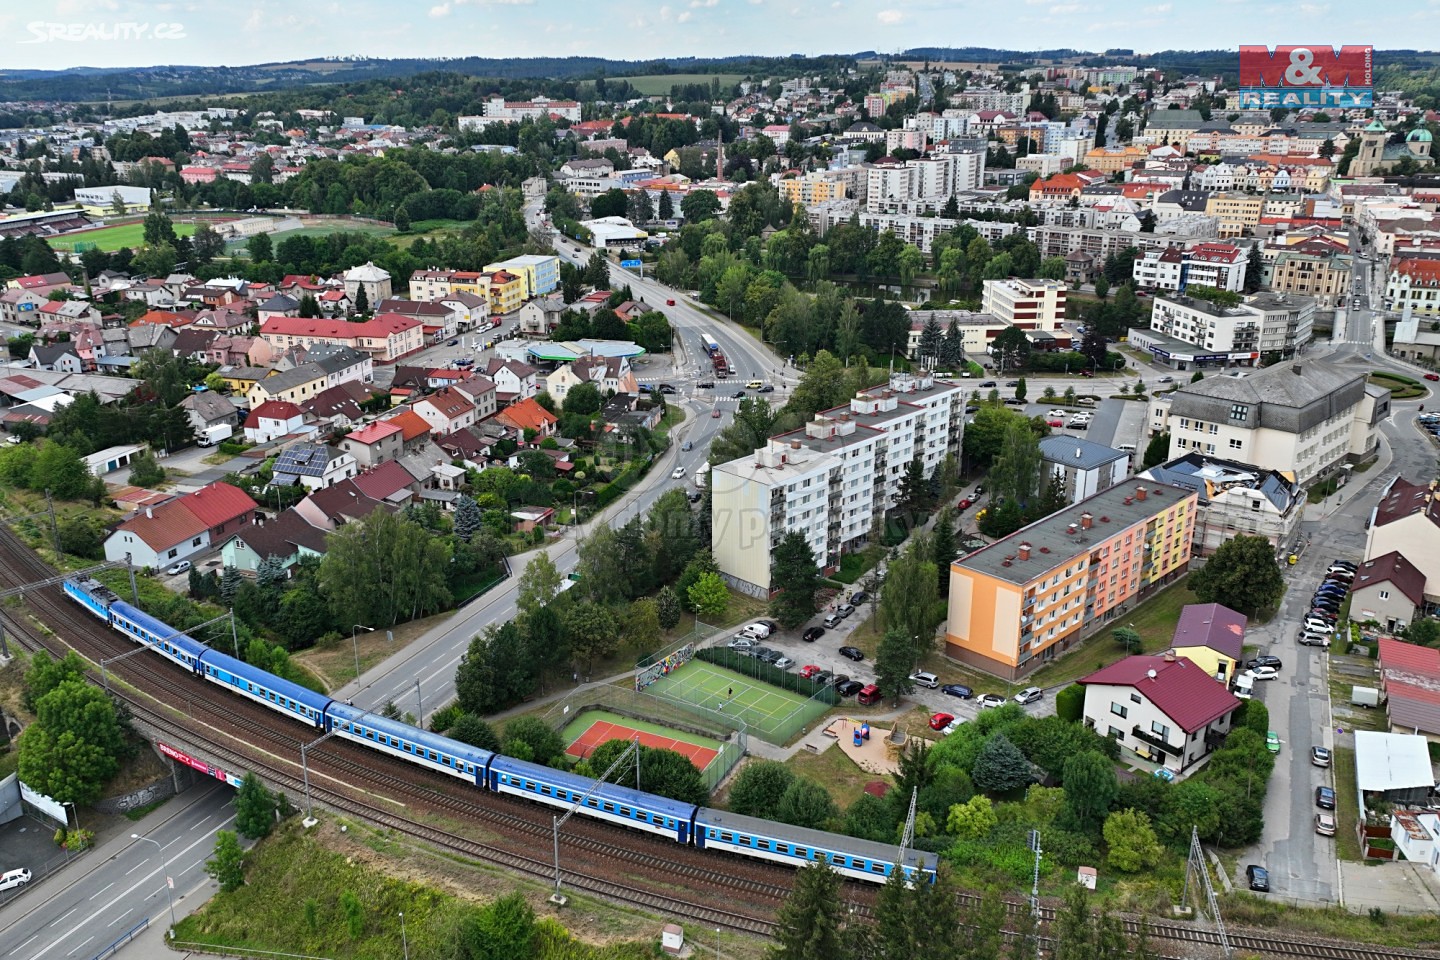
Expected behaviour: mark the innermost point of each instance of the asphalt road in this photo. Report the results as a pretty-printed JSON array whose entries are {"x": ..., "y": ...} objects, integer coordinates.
[{"x": 79, "y": 913}]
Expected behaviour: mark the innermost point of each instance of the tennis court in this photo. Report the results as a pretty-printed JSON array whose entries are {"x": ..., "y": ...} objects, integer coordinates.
[
  {"x": 761, "y": 706},
  {"x": 594, "y": 727}
]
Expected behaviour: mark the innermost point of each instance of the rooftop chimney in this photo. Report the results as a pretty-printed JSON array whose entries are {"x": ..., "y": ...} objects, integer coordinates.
[
  {"x": 1024, "y": 551},
  {"x": 149, "y": 513},
  {"x": 1297, "y": 368},
  {"x": 1072, "y": 529},
  {"x": 1140, "y": 493},
  {"x": 1086, "y": 521}
]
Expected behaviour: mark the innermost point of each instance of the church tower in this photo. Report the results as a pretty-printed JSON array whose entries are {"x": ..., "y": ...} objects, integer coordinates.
[{"x": 1367, "y": 162}]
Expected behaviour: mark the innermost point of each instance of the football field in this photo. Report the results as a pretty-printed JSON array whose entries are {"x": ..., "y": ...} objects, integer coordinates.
[
  {"x": 764, "y": 709},
  {"x": 114, "y": 238}
]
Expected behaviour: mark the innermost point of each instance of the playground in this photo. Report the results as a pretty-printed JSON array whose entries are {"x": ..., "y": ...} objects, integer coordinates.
[{"x": 594, "y": 727}]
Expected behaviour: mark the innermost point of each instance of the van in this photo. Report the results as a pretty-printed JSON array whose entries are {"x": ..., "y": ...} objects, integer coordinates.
[
  {"x": 754, "y": 385},
  {"x": 757, "y": 630},
  {"x": 1127, "y": 447},
  {"x": 11, "y": 879},
  {"x": 869, "y": 694},
  {"x": 923, "y": 679}
]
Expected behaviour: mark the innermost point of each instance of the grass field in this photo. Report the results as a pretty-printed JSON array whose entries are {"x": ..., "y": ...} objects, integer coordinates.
[
  {"x": 116, "y": 237},
  {"x": 578, "y": 728},
  {"x": 661, "y": 83},
  {"x": 760, "y": 705},
  {"x": 325, "y": 231}
]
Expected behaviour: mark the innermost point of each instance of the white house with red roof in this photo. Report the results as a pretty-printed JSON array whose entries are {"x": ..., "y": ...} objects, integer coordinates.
[
  {"x": 273, "y": 419},
  {"x": 1164, "y": 709},
  {"x": 446, "y": 411},
  {"x": 180, "y": 528},
  {"x": 386, "y": 337},
  {"x": 374, "y": 443},
  {"x": 1414, "y": 284}
]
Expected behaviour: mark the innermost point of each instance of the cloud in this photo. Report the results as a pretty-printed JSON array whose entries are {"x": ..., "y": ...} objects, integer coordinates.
[
  {"x": 684, "y": 17},
  {"x": 1313, "y": 9},
  {"x": 704, "y": 3},
  {"x": 1060, "y": 9},
  {"x": 440, "y": 10},
  {"x": 1159, "y": 8},
  {"x": 890, "y": 17}
]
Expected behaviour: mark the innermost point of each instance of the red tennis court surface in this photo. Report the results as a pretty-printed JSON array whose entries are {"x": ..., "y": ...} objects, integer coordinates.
[{"x": 602, "y": 731}]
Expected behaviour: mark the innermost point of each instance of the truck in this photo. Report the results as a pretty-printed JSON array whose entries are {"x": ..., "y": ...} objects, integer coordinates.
[
  {"x": 708, "y": 342},
  {"x": 722, "y": 366},
  {"x": 1244, "y": 686},
  {"x": 1364, "y": 697},
  {"x": 702, "y": 476},
  {"x": 213, "y": 435}
]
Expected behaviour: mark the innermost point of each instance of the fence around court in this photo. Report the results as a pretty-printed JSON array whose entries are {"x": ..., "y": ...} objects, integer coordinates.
[
  {"x": 779, "y": 730},
  {"x": 730, "y": 732}
]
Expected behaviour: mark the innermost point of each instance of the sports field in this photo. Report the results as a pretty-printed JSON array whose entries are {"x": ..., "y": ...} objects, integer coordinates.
[
  {"x": 116, "y": 237},
  {"x": 765, "y": 709},
  {"x": 594, "y": 727}
]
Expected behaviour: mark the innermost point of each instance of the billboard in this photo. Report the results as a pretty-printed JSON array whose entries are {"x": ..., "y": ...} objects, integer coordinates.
[{"x": 1315, "y": 76}]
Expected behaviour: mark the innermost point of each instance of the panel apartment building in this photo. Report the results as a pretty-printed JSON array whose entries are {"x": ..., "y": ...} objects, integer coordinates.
[
  {"x": 1028, "y": 598},
  {"x": 830, "y": 480},
  {"x": 1188, "y": 333}
]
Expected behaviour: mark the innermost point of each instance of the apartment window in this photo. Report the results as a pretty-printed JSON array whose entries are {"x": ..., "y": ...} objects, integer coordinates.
[
  {"x": 1117, "y": 733},
  {"x": 1134, "y": 698},
  {"x": 1119, "y": 711},
  {"x": 1239, "y": 412},
  {"x": 1384, "y": 594},
  {"x": 1160, "y": 730},
  {"x": 1236, "y": 444}
]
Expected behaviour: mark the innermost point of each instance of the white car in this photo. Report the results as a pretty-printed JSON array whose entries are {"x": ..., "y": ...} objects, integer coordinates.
[
  {"x": 677, "y": 474},
  {"x": 1058, "y": 413},
  {"x": 1313, "y": 625},
  {"x": 1262, "y": 673},
  {"x": 179, "y": 567}
]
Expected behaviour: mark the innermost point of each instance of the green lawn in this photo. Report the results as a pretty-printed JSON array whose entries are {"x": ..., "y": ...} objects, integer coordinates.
[
  {"x": 661, "y": 83},
  {"x": 116, "y": 237}
]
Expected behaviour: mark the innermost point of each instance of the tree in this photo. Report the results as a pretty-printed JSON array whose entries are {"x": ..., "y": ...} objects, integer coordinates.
[
  {"x": 227, "y": 866},
  {"x": 895, "y": 657},
  {"x": 260, "y": 247},
  {"x": 611, "y": 203},
  {"x": 914, "y": 491},
  {"x": 474, "y": 731},
  {"x": 495, "y": 671},
  {"x": 254, "y": 808},
  {"x": 384, "y": 570},
  {"x": 593, "y": 631},
  {"x": 1070, "y": 703},
  {"x": 402, "y": 219},
  {"x": 809, "y": 920},
  {"x": 709, "y": 595},
  {"x": 541, "y": 743},
  {"x": 59, "y": 469},
  {"x": 158, "y": 229},
  {"x": 759, "y": 786},
  {"x": 1000, "y": 766},
  {"x": 1132, "y": 842},
  {"x": 1197, "y": 376},
  {"x": 930, "y": 338},
  {"x": 145, "y": 470},
  {"x": 1102, "y": 287},
  {"x": 501, "y": 930},
  {"x": 805, "y": 803},
  {"x": 539, "y": 583},
  {"x": 362, "y": 301},
  {"x": 668, "y": 607},
  {"x": 908, "y": 598},
  {"x": 795, "y": 578},
  {"x": 973, "y": 819},
  {"x": 1425, "y": 632},
  {"x": 1157, "y": 451},
  {"x": 467, "y": 521},
  {"x": 822, "y": 386},
  {"x": 699, "y": 205},
  {"x": 75, "y": 744},
  {"x": 943, "y": 548},
  {"x": 1052, "y": 268},
  {"x": 1128, "y": 639},
  {"x": 1242, "y": 574},
  {"x": 1090, "y": 788},
  {"x": 665, "y": 209},
  {"x": 1011, "y": 348},
  {"x": 584, "y": 399}
]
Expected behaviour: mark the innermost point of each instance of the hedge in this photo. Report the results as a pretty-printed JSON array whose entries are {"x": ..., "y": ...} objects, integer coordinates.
[{"x": 768, "y": 673}]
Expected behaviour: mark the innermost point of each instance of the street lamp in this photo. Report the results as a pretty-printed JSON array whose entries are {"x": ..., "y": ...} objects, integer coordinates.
[
  {"x": 166, "y": 868},
  {"x": 354, "y": 640}
]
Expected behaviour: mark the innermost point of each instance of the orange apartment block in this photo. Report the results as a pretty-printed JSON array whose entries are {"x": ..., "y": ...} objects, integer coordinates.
[{"x": 1025, "y": 600}]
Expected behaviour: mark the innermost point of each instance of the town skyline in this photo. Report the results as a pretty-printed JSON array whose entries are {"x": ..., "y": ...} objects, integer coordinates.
[{"x": 72, "y": 34}]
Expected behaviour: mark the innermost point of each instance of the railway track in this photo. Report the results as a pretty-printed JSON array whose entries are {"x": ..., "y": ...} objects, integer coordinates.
[{"x": 359, "y": 777}]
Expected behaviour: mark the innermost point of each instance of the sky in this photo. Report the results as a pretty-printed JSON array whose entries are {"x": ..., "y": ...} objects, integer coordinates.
[{"x": 56, "y": 34}]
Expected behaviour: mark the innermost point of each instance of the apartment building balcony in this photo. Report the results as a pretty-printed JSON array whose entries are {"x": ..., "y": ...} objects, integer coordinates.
[{"x": 1148, "y": 738}]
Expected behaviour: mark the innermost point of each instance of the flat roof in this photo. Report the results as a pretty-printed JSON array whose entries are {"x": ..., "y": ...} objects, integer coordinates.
[
  {"x": 1391, "y": 761},
  {"x": 1051, "y": 543}
]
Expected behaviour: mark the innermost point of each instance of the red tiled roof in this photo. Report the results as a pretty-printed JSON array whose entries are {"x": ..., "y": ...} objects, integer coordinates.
[
  {"x": 411, "y": 424},
  {"x": 382, "y": 480},
  {"x": 272, "y": 410},
  {"x": 373, "y": 432},
  {"x": 1396, "y": 654},
  {"x": 381, "y": 326},
  {"x": 1420, "y": 271},
  {"x": 1180, "y": 689},
  {"x": 218, "y": 504},
  {"x": 164, "y": 526},
  {"x": 1392, "y": 568},
  {"x": 1211, "y": 625},
  {"x": 1405, "y": 498},
  {"x": 527, "y": 415}
]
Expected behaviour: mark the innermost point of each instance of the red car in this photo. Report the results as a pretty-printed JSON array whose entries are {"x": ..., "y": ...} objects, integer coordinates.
[
  {"x": 670, "y": 302},
  {"x": 809, "y": 670},
  {"x": 1432, "y": 376},
  {"x": 1056, "y": 423},
  {"x": 941, "y": 720},
  {"x": 965, "y": 504}
]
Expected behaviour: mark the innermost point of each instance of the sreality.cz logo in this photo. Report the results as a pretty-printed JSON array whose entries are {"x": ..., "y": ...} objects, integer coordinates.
[{"x": 1311, "y": 76}]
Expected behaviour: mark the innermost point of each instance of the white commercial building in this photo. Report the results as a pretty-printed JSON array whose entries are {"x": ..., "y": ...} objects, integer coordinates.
[
  {"x": 1191, "y": 333},
  {"x": 1030, "y": 304},
  {"x": 611, "y": 232},
  {"x": 833, "y": 478}
]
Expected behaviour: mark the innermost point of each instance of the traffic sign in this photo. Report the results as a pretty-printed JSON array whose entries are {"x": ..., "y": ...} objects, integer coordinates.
[{"x": 630, "y": 264}]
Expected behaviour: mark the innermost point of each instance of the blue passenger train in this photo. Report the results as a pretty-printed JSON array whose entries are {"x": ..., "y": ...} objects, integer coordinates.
[{"x": 705, "y": 828}]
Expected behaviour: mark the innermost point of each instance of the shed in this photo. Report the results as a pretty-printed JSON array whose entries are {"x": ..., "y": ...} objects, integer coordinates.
[
  {"x": 1393, "y": 767},
  {"x": 111, "y": 458}
]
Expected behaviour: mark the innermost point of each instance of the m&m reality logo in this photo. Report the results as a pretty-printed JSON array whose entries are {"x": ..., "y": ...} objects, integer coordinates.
[{"x": 1312, "y": 76}]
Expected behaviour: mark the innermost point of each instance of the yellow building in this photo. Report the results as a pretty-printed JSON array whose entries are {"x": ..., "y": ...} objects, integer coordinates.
[
  {"x": 1114, "y": 161},
  {"x": 240, "y": 379},
  {"x": 809, "y": 190},
  {"x": 506, "y": 292},
  {"x": 1212, "y": 636},
  {"x": 1028, "y": 598},
  {"x": 1237, "y": 212}
]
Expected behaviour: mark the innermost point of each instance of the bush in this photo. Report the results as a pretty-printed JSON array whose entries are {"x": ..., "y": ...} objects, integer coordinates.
[{"x": 750, "y": 667}]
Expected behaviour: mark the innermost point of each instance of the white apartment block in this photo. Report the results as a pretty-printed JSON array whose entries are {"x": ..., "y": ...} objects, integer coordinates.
[
  {"x": 1030, "y": 304},
  {"x": 1264, "y": 323},
  {"x": 831, "y": 479},
  {"x": 1304, "y": 418},
  {"x": 1218, "y": 265},
  {"x": 922, "y": 231},
  {"x": 937, "y": 177},
  {"x": 498, "y": 110}
]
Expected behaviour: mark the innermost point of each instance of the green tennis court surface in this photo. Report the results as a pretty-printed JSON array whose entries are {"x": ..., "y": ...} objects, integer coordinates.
[
  {"x": 593, "y": 727},
  {"x": 761, "y": 706}
]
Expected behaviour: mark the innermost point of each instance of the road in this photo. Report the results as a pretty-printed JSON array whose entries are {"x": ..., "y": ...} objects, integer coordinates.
[{"x": 80, "y": 913}]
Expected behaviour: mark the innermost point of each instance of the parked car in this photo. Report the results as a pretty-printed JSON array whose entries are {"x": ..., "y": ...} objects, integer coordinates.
[
  {"x": 178, "y": 567},
  {"x": 838, "y": 679},
  {"x": 1325, "y": 798},
  {"x": 715, "y": 413},
  {"x": 1057, "y": 413},
  {"x": 741, "y": 642},
  {"x": 1346, "y": 564},
  {"x": 1311, "y": 638},
  {"x": 1258, "y": 878},
  {"x": 812, "y": 634},
  {"x": 1055, "y": 422},
  {"x": 1166, "y": 380},
  {"x": 666, "y": 388},
  {"x": 1325, "y": 824},
  {"x": 1264, "y": 660},
  {"x": 1078, "y": 424},
  {"x": 833, "y": 620},
  {"x": 940, "y": 721},
  {"x": 849, "y": 688},
  {"x": 759, "y": 628},
  {"x": 845, "y": 609},
  {"x": 1263, "y": 673},
  {"x": 924, "y": 679},
  {"x": 965, "y": 504},
  {"x": 1320, "y": 756},
  {"x": 768, "y": 656},
  {"x": 11, "y": 879},
  {"x": 1029, "y": 695},
  {"x": 695, "y": 496},
  {"x": 952, "y": 726},
  {"x": 738, "y": 394},
  {"x": 991, "y": 700},
  {"x": 957, "y": 690},
  {"x": 822, "y": 678},
  {"x": 784, "y": 663},
  {"x": 852, "y": 653},
  {"x": 1272, "y": 741},
  {"x": 809, "y": 671},
  {"x": 859, "y": 597}
]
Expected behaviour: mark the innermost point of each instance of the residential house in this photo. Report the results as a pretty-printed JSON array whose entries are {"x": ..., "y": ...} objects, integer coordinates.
[
  {"x": 295, "y": 386},
  {"x": 374, "y": 443},
  {"x": 541, "y": 316},
  {"x": 470, "y": 310},
  {"x": 239, "y": 379},
  {"x": 446, "y": 411},
  {"x": 386, "y": 337},
  {"x": 333, "y": 507},
  {"x": 208, "y": 409},
  {"x": 1389, "y": 590},
  {"x": 181, "y": 527},
  {"x": 151, "y": 336},
  {"x": 280, "y": 305},
  {"x": 414, "y": 431},
  {"x": 374, "y": 280},
  {"x": 60, "y": 357},
  {"x": 1212, "y": 636},
  {"x": 439, "y": 320},
  {"x": 526, "y": 415},
  {"x": 19, "y": 306},
  {"x": 287, "y": 538},
  {"x": 513, "y": 380},
  {"x": 193, "y": 344},
  {"x": 480, "y": 391},
  {"x": 1083, "y": 466},
  {"x": 273, "y": 419},
  {"x": 608, "y": 374},
  {"x": 388, "y": 482},
  {"x": 1166, "y": 709},
  {"x": 314, "y": 466},
  {"x": 1410, "y": 681},
  {"x": 76, "y": 311},
  {"x": 339, "y": 407}
]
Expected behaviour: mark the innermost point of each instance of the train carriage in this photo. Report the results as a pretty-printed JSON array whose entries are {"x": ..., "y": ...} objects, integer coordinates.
[
  {"x": 409, "y": 743},
  {"x": 92, "y": 595},
  {"x": 796, "y": 846},
  {"x": 143, "y": 628},
  {"x": 629, "y": 808},
  {"x": 263, "y": 687}
]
